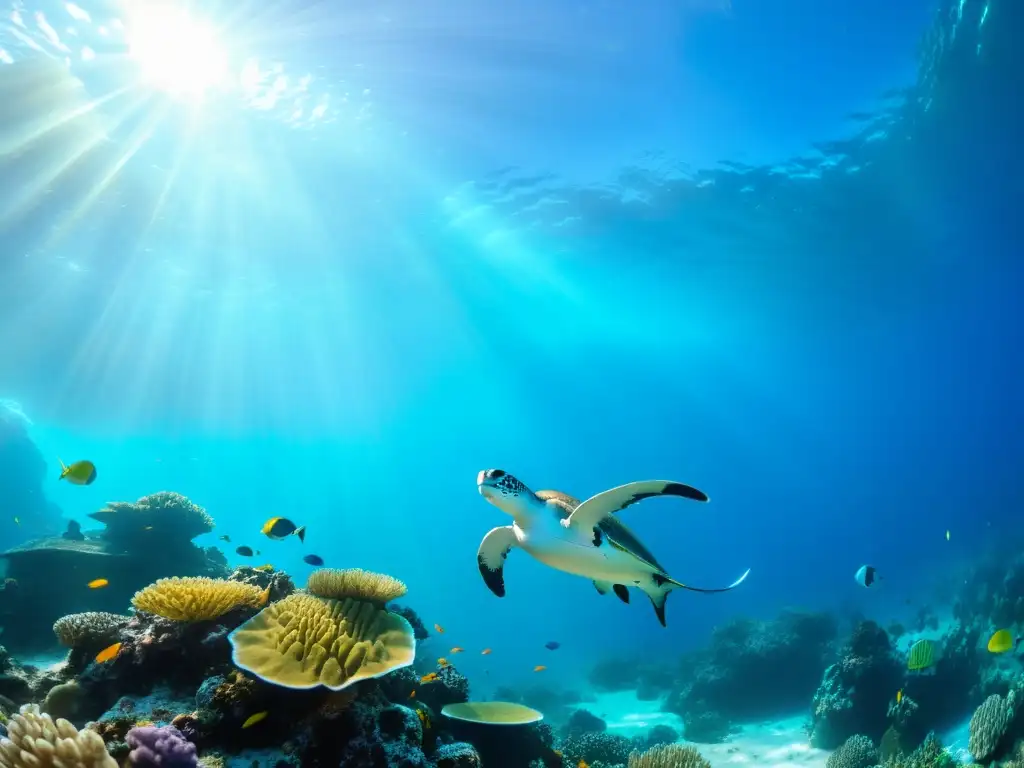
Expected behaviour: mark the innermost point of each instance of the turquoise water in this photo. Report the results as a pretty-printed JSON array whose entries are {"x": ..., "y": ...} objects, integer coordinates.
[{"x": 329, "y": 263}]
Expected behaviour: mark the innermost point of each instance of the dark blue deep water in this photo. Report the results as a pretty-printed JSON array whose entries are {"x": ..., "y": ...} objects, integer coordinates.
[{"x": 327, "y": 261}]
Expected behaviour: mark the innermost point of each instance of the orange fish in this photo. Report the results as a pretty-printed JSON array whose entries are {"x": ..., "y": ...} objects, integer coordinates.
[
  {"x": 539, "y": 668},
  {"x": 108, "y": 653},
  {"x": 442, "y": 662},
  {"x": 97, "y": 583},
  {"x": 429, "y": 678},
  {"x": 582, "y": 764},
  {"x": 439, "y": 629},
  {"x": 457, "y": 649},
  {"x": 412, "y": 695},
  {"x": 485, "y": 652}
]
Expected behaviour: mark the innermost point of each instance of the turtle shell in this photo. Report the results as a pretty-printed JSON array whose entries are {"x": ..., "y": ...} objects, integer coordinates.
[{"x": 610, "y": 526}]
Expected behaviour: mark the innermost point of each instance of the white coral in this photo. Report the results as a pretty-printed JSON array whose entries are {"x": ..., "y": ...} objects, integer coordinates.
[{"x": 34, "y": 740}]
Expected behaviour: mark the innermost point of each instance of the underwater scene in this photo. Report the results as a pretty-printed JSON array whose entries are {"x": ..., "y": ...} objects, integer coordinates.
[{"x": 558, "y": 383}]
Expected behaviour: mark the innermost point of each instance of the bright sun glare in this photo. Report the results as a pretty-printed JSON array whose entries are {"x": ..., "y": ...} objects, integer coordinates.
[{"x": 175, "y": 52}]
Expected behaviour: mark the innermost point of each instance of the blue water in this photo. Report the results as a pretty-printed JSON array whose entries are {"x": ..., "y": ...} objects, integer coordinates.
[{"x": 767, "y": 249}]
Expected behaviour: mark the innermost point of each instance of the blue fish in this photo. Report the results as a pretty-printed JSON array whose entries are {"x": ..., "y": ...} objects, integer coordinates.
[
  {"x": 313, "y": 560},
  {"x": 554, "y": 645}
]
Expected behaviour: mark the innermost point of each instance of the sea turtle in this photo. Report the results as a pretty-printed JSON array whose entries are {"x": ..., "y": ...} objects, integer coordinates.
[{"x": 583, "y": 539}]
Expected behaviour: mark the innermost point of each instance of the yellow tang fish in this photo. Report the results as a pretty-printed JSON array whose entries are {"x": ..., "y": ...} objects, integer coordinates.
[
  {"x": 281, "y": 528},
  {"x": 79, "y": 473},
  {"x": 108, "y": 653},
  {"x": 97, "y": 583},
  {"x": 253, "y": 719},
  {"x": 539, "y": 668}
]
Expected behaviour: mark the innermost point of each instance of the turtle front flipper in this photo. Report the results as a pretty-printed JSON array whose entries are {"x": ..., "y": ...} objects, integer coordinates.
[
  {"x": 593, "y": 510},
  {"x": 490, "y": 557}
]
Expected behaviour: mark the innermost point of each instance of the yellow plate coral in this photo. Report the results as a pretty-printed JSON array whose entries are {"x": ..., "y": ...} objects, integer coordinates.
[
  {"x": 196, "y": 598},
  {"x": 304, "y": 641}
]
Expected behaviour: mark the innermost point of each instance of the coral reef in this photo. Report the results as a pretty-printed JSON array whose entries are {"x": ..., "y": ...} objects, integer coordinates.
[
  {"x": 856, "y": 752},
  {"x": 197, "y": 598},
  {"x": 668, "y": 756},
  {"x": 854, "y": 692},
  {"x": 35, "y": 740},
  {"x": 160, "y": 747},
  {"x": 990, "y": 725}
]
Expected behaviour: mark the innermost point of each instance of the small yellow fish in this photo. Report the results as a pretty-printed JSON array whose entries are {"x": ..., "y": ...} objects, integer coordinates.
[
  {"x": 442, "y": 662},
  {"x": 1001, "y": 642},
  {"x": 899, "y": 695},
  {"x": 582, "y": 764},
  {"x": 457, "y": 649},
  {"x": 485, "y": 652},
  {"x": 79, "y": 473},
  {"x": 439, "y": 629},
  {"x": 253, "y": 719},
  {"x": 412, "y": 695},
  {"x": 108, "y": 653},
  {"x": 429, "y": 678},
  {"x": 266, "y": 567},
  {"x": 424, "y": 718},
  {"x": 539, "y": 668},
  {"x": 97, "y": 583}
]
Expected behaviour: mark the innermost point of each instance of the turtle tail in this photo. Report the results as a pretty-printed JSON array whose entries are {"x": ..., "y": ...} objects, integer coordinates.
[{"x": 662, "y": 584}]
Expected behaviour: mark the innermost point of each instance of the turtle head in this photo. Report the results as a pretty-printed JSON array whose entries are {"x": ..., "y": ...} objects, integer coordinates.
[{"x": 506, "y": 492}]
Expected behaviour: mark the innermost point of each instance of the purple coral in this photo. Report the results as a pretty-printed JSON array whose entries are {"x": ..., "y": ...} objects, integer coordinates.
[{"x": 164, "y": 747}]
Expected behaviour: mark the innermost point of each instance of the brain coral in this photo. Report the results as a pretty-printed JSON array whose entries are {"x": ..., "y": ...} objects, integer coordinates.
[
  {"x": 34, "y": 740},
  {"x": 668, "y": 756},
  {"x": 989, "y": 724},
  {"x": 305, "y": 641},
  {"x": 196, "y": 598},
  {"x": 92, "y": 628},
  {"x": 856, "y": 752},
  {"x": 355, "y": 583}
]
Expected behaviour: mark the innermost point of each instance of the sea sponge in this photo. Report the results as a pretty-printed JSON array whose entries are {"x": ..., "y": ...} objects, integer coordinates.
[
  {"x": 355, "y": 583},
  {"x": 90, "y": 629},
  {"x": 668, "y": 756},
  {"x": 856, "y": 752},
  {"x": 305, "y": 641},
  {"x": 167, "y": 512},
  {"x": 34, "y": 740},
  {"x": 196, "y": 598},
  {"x": 989, "y": 724}
]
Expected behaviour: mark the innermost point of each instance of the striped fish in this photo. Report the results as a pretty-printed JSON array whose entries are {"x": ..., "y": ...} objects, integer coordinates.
[{"x": 922, "y": 655}]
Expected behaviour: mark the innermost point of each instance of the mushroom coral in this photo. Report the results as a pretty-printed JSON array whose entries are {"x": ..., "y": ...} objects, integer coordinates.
[
  {"x": 89, "y": 628},
  {"x": 35, "y": 740},
  {"x": 305, "y": 641},
  {"x": 197, "y": 598}
]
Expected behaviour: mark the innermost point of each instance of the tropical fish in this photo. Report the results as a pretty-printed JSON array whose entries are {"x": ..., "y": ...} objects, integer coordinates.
[
  {"x": 424, "y": 718},
  {"x": 485, "y": 652},
  {"x": 947, "y": 535},
  {"x": 866, "y": 575},
  {"x": 79, "y": 473},
  {"x": 922, "y": 655},
  {"x": 108, "y": 653},
  {"x": 442, "y": 662},
  {"x": 148, "y": 528},
  {"x": 17, "y": 521},
  {"x": 439, "y": 629},
  {"x": 539, "y": 668},
  {"x": 457, "y": 649},
  {"x": 429, "y": 678},
  {"x": 412, "y": 695},
  {"x": 226, "y": 538},
  {"x": 554, "y": 645},
  {"x": 253, "y": 719},
  {"x": 266, "y": 568},
  {"x": 97, "y": 583},
  {"x": 899, "y": 695},
  {"x": 244, "y": 551},
  {"x": 281, "y": 528},
  {"x": 1002, "y": 641},
  {"x": 313, "y": 560},
  {"x": 582, "y": 764}
]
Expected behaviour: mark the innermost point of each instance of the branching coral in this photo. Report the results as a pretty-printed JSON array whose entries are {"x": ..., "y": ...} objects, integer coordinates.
[
  {"x": 89, "y": 629},
  {"x": 34, "y": 740},
  {"x": 668, "y": 756},
  {"x": 196, "y": 598},
  {"x": 304, "y": 641},
  {"x": 355, "y": 583},
  {"x": 165, "y": 512},
  {"x": 989, "y": 724},
  {"x": 856, "y": 752}
]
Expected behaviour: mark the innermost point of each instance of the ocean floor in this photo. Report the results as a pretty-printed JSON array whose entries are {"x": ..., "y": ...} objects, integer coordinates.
[{"x": 777, "y": 744}]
